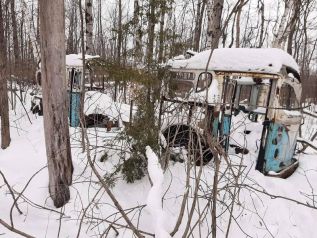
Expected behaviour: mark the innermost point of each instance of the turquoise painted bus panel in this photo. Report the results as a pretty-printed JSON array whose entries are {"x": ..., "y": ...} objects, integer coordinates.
[
  {"x": 215, "y": 127},
  {"x": 226, "y": 125},
  {"x": 279, "y": 149},
  {"x": 74, "y": 109},
  {"x": 226, "y": 130}
]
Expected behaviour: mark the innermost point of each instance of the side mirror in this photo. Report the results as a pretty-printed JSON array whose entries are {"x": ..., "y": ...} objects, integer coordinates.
[
  {"x": 204, "y": 81},
  {"x": 253, "y": 116}
]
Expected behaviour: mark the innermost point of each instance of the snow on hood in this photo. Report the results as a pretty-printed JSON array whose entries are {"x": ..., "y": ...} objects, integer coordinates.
[
  {"x": 75, "y": 60},
  {"x": 100, "y": 103},
  {"x": 268, "y": 60}
]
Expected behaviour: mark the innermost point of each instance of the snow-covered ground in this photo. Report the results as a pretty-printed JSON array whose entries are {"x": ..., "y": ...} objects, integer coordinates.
[{"x": 256, "y": 213}]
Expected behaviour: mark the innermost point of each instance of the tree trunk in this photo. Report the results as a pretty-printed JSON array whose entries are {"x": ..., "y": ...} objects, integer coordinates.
[
  {"x": 238, "y": 23},
  {"x": 71, "y": 30},
  {"x": 101, "y": 44},
  {"x": 284, "y": 27},
  {"x": 214, "y": 11},
  {"x": 52, "y": 32},
  {"x": 119, "y": 45},
  {"x": 261, "y": 10},
  {"x": 201, "y": 5},
  {"x": 293, "y": 23},
  {"x": 82, "y": 96},
  {"x": 151, "y": 33},
  {"x": 137, "y": 33},
  {"x": 89, "y": 27},
  {"x": 14, "y": 34},
  {"x": 161, "y": 34},
  {"x": 4, "y": 104}
]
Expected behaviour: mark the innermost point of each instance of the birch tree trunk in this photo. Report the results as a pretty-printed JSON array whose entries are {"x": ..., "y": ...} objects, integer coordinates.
[
  {"x": 52, "y": 33},
  {"x": 89, "y": 27},
  {"x": 4, "y": 104},
  {"x": 214, "y": 13}
]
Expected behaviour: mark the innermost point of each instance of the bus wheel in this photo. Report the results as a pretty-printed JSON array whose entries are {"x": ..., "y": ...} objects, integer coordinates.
[
  {"x": 182, "y": 136},
  {"x": 179, "y": 135}
]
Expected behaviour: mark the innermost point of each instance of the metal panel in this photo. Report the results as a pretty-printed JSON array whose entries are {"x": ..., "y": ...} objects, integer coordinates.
[
  {"x": 280, "y": 146},
  {"x": 74, "y": 109}
]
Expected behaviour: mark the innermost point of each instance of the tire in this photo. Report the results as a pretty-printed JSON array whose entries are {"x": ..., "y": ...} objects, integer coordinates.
[{"x": 181, "y": 135}]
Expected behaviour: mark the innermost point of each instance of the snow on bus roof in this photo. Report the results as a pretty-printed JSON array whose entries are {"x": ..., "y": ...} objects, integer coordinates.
[
  {"x": 258, "y": 60},
  {"x": 75, "y": 60}
]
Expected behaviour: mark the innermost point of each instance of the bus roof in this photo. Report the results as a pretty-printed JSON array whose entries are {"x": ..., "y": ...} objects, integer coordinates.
[
  {"x": 255, "y": 60},
  {"x": 75, "y": 60}
]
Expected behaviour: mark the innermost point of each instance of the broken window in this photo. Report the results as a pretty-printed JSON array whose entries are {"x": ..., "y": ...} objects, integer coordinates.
[
  {"x": 182, "y": 76},
  {"x": 288, "y": 98},
  {"x": 245, "y": 93},
  {"x": 180, "y": 83}
]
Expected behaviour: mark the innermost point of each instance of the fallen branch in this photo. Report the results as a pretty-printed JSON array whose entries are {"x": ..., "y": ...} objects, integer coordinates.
[
  {"x": 23, "y": 107},
  {"x": 277, "y": 196},
  {"x": 6, "y": 225},
  {"x": 20, "y": 194},
  {"x": 307, "y": 112},
  {"x": 307, "y": 143},
  {"x": 11, "y": 192},
  {"x": 108, "y": 191}
]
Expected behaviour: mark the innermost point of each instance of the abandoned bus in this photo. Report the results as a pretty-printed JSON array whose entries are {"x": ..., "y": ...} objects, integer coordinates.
[
  {"x": 73, "y": 80},
  {"x": 261, "y": 83}
]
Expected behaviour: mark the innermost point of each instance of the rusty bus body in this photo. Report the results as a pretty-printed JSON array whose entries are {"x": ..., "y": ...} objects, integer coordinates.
[{"x": 261, "y": 82}]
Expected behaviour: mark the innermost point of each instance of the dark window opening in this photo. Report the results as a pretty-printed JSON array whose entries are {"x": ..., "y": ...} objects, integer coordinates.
[{"x": 288, "y": 98}]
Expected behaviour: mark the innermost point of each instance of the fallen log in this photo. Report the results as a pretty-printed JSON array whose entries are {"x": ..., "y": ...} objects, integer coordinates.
[{"x": 306, "y": 144}]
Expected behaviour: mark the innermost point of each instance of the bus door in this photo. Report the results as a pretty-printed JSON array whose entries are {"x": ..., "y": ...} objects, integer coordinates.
[
  {"x": 74, "y": 88},
  {"x": 228, "y": 99},
  {"x": 281, "y": 128}
]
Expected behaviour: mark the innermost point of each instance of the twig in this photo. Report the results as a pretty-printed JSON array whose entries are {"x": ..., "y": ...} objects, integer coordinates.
[
  {"x": 23, "y": 107},
  {"x": 11, "y": 192},
  {"x": 15, "y": 200}
]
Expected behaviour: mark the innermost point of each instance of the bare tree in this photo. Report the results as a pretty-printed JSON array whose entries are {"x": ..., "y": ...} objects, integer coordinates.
[
  {"x": 89, "y": 26},
  {"x": 242, "y": 3},
  {"x": 293, "y": 22},
  {"x": 120, "y": 35},
  {"x": 56, "y": 130},
  {"x": 151, "y": 33},
  {"x": 214, "y": 13},
  {"x": 71, "y": 40},
  {"x": 161, "y": 33},
  {"x": 4, "y": 105},
  {"x": 15, "y": 33},
  {"x": 285, "y": 26},
  {"x": 137, "y": 39},
  {"x": 201, "y": 5}
]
